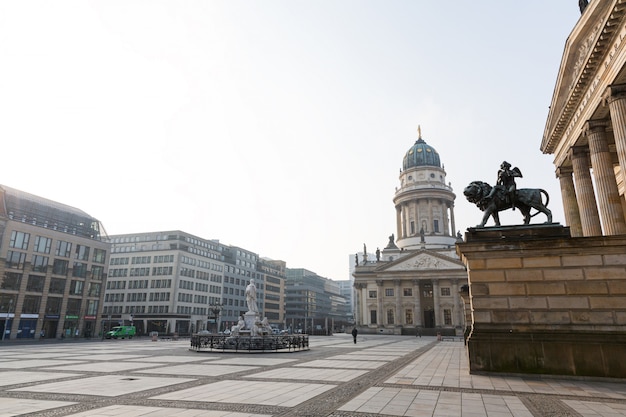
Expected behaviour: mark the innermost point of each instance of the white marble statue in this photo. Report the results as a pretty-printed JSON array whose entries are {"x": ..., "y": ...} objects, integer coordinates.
[
  {"x": 265, "y": 326},
  {"x": 251, "y": 297},
  {"x": 234, "y": 331}
]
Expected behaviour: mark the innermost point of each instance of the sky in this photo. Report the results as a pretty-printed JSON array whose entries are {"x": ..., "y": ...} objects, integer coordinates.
[{"x": 275, "y": 126}]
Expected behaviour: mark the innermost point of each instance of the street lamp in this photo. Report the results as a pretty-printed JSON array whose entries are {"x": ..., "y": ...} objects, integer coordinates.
[
  {"x": 6, "y": 319},
  {"x": 215, "y": 309}
]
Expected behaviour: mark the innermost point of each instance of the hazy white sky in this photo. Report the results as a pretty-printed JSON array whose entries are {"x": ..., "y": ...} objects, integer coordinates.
[{"x": 277, "y": 126}]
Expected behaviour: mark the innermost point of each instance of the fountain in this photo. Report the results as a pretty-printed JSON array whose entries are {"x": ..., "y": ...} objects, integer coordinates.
[{"x": 250, "y": 334}]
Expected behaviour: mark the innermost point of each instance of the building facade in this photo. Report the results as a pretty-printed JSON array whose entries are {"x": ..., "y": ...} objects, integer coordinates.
[
  {"x": 314, "y": 304},
  {"x": 273, "y": 273},
  {"x": 164, "y": 282},
  {"x": 54, "y": 269},
  {"x": 413, "y": 284},
  {"x": 586, "y": 125},
  {"x": 241, "y": 267}
]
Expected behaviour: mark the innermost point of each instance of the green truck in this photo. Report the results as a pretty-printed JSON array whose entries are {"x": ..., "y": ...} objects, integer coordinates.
[{"x": 121, "y": 332}]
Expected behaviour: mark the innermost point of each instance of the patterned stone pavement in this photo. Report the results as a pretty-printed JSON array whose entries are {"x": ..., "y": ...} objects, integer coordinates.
[{"x": 379, "y": 376}]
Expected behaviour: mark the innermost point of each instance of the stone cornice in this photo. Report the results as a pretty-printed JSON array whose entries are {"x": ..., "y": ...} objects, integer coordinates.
[{"x": 592, "y": 53}]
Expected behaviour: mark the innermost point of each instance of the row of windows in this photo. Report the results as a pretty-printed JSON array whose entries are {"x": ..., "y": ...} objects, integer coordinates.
[
  {"x": 188, "y": 285},
  {"x": 142, "y": 259},
  {"x": 140, "y": 309},
  {"x": 156, "y": 271},
  {"x": 273, "y": 280},
  {"x": 136, "y": 296},
  {"x": 37, "y": 283},
  {"x": 159, "y": 296},
  {"x": 204, "y": 253},
  {"x": 202, "y": 243},
  {"x": 200, "y": 263},
  {"x": 42, "y": 244},
  {"x": 140, "y": 272},
  {"x": 241, "y": 272},
  {"x": 32, "y": 304},
  {"x": 185, "y": 310},
  {"x": 191, "y": 298},
  {"x": 408, "y": 292},
  {"x": 17, "y": 260},
  {"x": 241, "y": 282}
]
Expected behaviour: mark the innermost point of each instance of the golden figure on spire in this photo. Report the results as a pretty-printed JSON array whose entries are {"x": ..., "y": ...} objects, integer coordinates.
[{"x": 419, "y": 132}]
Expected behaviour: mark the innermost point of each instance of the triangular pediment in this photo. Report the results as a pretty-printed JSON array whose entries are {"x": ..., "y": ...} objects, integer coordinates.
[{"x": 424, "y": 261}]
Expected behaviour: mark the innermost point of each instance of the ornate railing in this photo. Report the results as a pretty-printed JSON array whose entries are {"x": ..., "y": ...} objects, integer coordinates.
[{"x": 267, "y": 343}]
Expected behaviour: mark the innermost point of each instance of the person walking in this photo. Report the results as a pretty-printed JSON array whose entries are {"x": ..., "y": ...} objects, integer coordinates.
[{"x": 354, "y": 333}]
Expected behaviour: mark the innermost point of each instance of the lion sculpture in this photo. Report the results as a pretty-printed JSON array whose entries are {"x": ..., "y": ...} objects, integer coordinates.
[{"x": 525, "y": 199}]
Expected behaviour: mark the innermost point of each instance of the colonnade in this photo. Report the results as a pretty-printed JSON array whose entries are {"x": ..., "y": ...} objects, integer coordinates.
[
  {"x": 586, "y": 213},
  {"x": 405, "y": 212},
  {"x": 382, "y": 304}
]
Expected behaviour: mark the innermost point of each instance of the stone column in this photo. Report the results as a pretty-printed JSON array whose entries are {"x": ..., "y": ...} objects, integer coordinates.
[
  {"x": 436, "y": 302},
  {"x": 396, "y": 291},
  {"x": 608, "y": 195},
  {"x": 452, "y": 225},
  {"x": 446, "y": 220},
  {"x": 430, "y": 227},
  {"x": 379, "y": 298},
  {"x": 585, "y": 195},
  {"x": 570, "y": 205},
  {"x": 417, "y": 308},
  {"x": 365, "y": 313},
  {"x": 359, "y": 303},
  {"x": 457, "y": 317},
  {"x": 617, "y": 107},
  {"x": 399, "y": 222}
]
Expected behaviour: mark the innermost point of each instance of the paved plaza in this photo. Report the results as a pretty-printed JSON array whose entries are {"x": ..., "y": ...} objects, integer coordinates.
[{"x": 379, "y": 376}]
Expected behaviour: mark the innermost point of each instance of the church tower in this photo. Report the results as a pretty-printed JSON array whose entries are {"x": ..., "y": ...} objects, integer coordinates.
[
  {"x": 424, "y": 203},
  {"x": 412, "y": 286}
]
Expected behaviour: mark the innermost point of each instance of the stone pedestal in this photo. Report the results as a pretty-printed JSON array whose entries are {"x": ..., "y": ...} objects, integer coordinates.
[
  {"x": 250, "y": 318},
  {"x": 544, "y": 302}
]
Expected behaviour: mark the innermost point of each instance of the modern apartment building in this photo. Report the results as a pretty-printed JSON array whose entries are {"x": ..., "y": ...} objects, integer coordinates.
[
  {"x": 163, "y": 282},
  {"x": 272, "y": 273},
  {"x": 314, "y": 304},
  {"x": 240, "y": 267},
  {"x": 54, "y": 269}
]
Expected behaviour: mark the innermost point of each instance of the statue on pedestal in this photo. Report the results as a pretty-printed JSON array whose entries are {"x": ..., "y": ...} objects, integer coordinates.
[
  {"x": 251, "y": 297},
  {"x": 505, "y": 195}
]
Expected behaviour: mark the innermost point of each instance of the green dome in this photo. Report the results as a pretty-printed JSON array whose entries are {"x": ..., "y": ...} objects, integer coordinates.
[{"x": 420, "y": 155}]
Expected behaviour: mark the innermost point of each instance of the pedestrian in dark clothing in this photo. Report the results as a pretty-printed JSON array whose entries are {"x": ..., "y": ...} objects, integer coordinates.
[{"x": 354, "y": 333}]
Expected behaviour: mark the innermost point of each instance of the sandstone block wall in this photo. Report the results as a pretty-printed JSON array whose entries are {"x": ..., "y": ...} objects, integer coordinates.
[{"x": 543, "y": 302}]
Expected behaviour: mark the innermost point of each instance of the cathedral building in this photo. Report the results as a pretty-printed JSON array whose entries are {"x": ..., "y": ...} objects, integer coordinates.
[{"x": 412, "y": 285}]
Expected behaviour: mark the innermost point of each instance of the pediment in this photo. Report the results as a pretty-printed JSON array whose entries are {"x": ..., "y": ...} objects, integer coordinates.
[{"x": 424, "y": 261}]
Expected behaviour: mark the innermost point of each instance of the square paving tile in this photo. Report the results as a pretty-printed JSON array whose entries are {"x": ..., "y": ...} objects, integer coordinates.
[
  {"x": 48, "y": 355},
  {"x": 24, "y": 377},
  {"x": 106, "y": 385},
  {"x": 198, "y": 369},
  {"x": 283, "y": 394},
  {"x": 174, "y": 359},
  {"x": 324, "y": 363},
  {"x": 107, "y": 357},
  {"x": 34, "y": 363},
  {"x": 19, "y": 406},
  {"x": 364, "y": 357},
  {"x": 105, "y": 367},
  {"x": 310, "y": 374},
  {"x": 136, "y": 410},
  {"x": 252, "y": 360}
]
